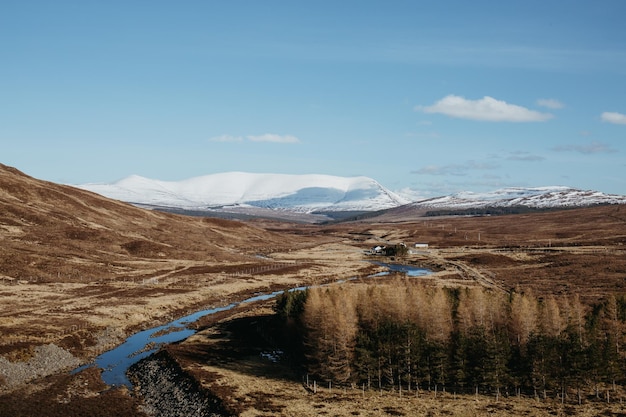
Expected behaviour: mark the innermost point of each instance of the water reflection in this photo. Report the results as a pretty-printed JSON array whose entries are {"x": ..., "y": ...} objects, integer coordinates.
[{"x": 410, "y": 270}]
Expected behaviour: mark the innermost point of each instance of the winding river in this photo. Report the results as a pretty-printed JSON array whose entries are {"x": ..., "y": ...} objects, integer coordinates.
[{"x": 115, "y": 362}]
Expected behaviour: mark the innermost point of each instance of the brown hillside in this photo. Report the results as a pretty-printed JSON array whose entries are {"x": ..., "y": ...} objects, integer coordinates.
[
  {"x": 82, "y": 271},
  {"x": 51, "y": 231}
]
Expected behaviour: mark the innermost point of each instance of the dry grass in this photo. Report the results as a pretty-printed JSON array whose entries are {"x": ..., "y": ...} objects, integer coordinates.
[
  {"x": 75, "y": 265},
  {"x": 580, "y": 251}
]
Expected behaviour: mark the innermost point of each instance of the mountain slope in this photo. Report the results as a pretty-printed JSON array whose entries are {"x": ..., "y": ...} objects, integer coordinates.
[
  {"x": 299, "y": 193},
  {"x": 48, "y": 229}
]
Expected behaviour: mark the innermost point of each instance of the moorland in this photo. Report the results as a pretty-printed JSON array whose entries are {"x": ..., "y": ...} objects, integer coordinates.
[{"x": 79, "y": 273}]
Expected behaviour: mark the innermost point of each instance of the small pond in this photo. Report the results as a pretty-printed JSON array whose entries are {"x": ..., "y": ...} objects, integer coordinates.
[{"x": 409, "y": 270}]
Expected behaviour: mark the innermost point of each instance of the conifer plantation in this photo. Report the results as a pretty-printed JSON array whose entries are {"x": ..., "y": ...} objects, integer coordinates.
[{"x": 404, "y": 335}]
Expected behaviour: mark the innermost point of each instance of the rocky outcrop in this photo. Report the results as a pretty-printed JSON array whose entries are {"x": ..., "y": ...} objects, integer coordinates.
[{"x": 168, "y": 391}]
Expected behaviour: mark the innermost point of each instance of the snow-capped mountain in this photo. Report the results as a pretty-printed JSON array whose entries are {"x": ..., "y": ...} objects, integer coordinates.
[
  {"x": 538, "y": 197},
  {"x": 324, "y": 193},
  {"x": 298, "y": 193}
]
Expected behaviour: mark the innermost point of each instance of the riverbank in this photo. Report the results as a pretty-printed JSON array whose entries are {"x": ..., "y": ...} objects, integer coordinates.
[
  {"x": 87, "y": 319},
  {"x": 167, "y": 390}
]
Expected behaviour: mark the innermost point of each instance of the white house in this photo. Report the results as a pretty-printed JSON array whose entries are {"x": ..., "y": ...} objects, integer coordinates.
[{"x": 378, "y": 249}]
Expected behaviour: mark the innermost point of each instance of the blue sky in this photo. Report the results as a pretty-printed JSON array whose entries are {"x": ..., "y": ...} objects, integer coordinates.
[{"x": 432, "y": 96}]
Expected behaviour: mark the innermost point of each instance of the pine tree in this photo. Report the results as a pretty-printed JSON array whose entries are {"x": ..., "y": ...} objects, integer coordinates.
[
  {"x": 551, "y": 322},
  {"x": 316, "y": 338},
  {"x": 438, "y": 315},
  {"x": 342, "y": 326},
  {"x": 524, "y": 317},
  {"x": 365, "y": 362},
  {"x": 615, "y": 334}
]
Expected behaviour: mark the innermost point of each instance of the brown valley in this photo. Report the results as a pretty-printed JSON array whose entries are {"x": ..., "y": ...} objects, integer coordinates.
[{"x": 519, "y": 314}]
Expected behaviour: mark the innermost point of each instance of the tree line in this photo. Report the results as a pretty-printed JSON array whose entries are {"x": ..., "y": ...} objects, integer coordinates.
[{"x": 406, "y": 335}]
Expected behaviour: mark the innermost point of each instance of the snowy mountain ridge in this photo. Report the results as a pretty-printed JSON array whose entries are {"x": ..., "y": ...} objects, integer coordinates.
[
  {"x": 314, "y": 193},
  {"x": 535, "y": 197},
  {"x": 298, "y": 193}
]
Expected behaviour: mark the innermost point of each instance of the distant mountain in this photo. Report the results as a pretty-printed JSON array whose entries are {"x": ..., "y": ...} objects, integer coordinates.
[
  {"x": 537, "y": 198},
  {"x": 243, "y": 192},
  {"x": 294, "y": 193}
]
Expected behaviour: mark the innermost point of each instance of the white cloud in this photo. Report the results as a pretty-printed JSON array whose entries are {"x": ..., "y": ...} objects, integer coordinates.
[
  {"x": 270, "y": 137},
  {"x": 486, "y": 109},
  {"x": 550, "y": 103},
  {"x": 612, "y": 117}
]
